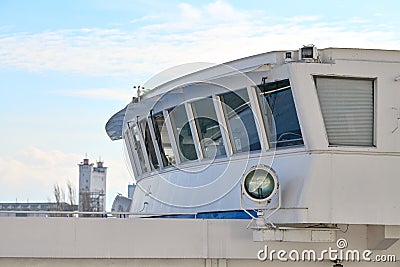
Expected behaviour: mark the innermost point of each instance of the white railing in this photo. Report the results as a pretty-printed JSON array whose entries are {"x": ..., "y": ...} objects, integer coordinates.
[{"x": 99, "y": 214}]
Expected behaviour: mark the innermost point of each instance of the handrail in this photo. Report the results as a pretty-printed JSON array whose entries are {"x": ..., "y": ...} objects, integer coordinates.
[{"x": 106, "y": 214}]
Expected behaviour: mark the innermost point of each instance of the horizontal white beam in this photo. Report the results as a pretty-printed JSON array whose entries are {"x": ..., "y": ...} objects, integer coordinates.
[{"x": 287, "y": 234}]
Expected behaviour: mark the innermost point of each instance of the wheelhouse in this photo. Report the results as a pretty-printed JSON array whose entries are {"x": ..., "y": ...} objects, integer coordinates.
[{"x": 326, "y": 121}]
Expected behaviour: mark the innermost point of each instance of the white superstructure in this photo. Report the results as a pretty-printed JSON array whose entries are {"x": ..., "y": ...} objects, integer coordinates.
[{"x": 326, "y": 122}]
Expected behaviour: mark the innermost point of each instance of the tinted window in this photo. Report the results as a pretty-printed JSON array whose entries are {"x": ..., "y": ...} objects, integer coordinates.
[
  {"x": 164, "y": 143},
  {"x": 182, "y": 133},
  {"x": 130, "y": 148},
  {"x": 148, "y": 142},
  {"x": 240, "y": 121},
  {"x": 278, "y": 96},
  {"x": 208, "y": 128},
  {"x": 138, "y": 148}
]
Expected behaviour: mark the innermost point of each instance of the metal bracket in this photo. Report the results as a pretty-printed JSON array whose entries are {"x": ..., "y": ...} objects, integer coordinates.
[{"x": 262, "y": 218}]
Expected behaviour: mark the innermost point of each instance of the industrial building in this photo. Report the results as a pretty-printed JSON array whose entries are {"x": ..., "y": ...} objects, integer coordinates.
[{"x": 92, "y": 186}]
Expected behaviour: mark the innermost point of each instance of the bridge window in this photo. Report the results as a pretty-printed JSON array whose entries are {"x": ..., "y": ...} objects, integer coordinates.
[
  {"x": 131, "y": 147},
  {"x": 148, "y": 142},
  {"x": 164, "y": 143},
  {"x": 182, "y": 133},
  {"x": 278, "y": 96},
  {"x": 208, "y": 128},
  {"x": 130, "y": 151},
  {"x": 347, "y": 107},
  {"x": 240, "y": 121},
  {"x": 138, "y": 148}
]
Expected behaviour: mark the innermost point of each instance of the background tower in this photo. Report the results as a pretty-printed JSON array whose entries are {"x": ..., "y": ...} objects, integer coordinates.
[{"x": 92, "y": 186}]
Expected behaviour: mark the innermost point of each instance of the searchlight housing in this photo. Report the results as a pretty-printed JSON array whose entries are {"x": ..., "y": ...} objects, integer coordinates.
[{"x": 260, "y": 184}]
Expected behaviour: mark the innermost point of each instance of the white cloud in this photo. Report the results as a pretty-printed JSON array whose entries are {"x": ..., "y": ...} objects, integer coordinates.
[
  {"x": 188, "y": 12},
  {"x": 221, "y": 10},
  {"x": 299, "y": 19},
  {"x": 31, "y": 173},
  {"x": 358, "y": 20},
  {"x": 144, "y": 18},
  {"x": 100, "y": 93},
  {"x": 214, "y": 32}
]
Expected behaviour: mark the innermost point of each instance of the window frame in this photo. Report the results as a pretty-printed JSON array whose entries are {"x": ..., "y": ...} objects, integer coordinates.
[
  {"x": 228, "y": 127},
  {"x": 258, "y": 117},
  {"x": 159, "y": 140},
  {"x": 143, "y": 124},
  {"x": 171, "y": 136},
  {"x": 131, "y": 126},
  {"x": 131, "y": 154},
  {"x": 260, "y": 98},
  {"x": 154, "y": 141},
  {"x": 175, "y": 135},
  {"x": 221, "y": 130},
  {"x": 193, "y": 129},
  {"x": 219, "y": 110}
]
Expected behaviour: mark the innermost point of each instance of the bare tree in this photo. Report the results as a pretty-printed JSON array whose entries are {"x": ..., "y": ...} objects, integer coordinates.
[
  {"x": 59, "y": 196},
  {"x": 71, "y": 194}
]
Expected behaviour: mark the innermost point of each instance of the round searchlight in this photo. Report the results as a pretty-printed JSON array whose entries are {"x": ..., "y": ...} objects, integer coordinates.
[{"x": 260, "y": 183}]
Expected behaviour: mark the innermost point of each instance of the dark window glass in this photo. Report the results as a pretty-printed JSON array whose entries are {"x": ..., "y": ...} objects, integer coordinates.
[
  {"x": 208, "y": 129},
  {"x": 131, "y": 152},
  {"x": 148, "y": 142},
  {"x": 182, "y": 133},
  {"x": 138, "y": 148},
  {"x": 240, "y": 121},
  {"x": 164, "y": 143},
  {"x": 278, "y": 96}
]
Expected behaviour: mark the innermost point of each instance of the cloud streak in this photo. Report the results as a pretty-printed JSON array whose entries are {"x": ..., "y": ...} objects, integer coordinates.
[
  {"x": 214, "y": 32},
  {"x": 33, "y": 170},
  {"x": 99, "y": 93}
]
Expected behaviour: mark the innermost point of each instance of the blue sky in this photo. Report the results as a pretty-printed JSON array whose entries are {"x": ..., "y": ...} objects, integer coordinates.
[{"x": 67, "y": 66}]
